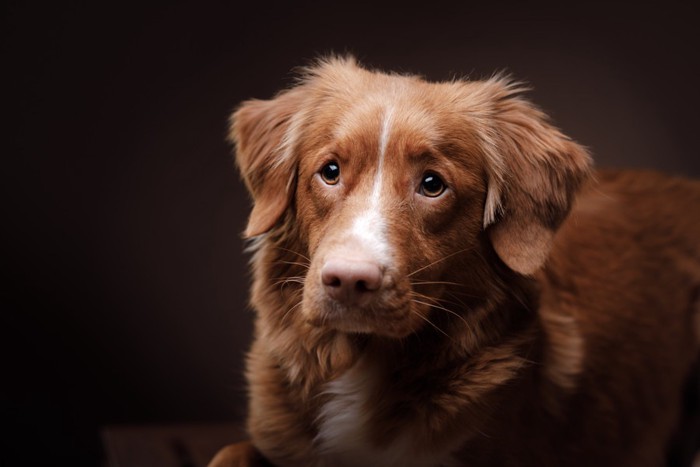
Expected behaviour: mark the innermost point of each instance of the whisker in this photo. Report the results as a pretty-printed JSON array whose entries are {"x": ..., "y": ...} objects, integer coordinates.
[
  {"x": 289, "y": 280},
  {"x": 520, "y": 300},
  {"x": 451, "y": 292},
  {"x": 439, "y": 260},
  {"x": 294, "y": 252},
  {"x": 439, "y": 301},
  {"x": 462, "y": 294},
  {"x": 455, "y": 297},
  {"x": 483, "y": 434},
  {"x": 434, "y": 283},
  {"x": 431, "y": 323},
  {"x": 425, "y": 297},
  {"x": 286, "y": 313},
  {"x": 445, "y": 309},
  {"x": 296, "y": 279},
  {"x": 458, "y": 303},
  {"x": 296, "y": 263}
]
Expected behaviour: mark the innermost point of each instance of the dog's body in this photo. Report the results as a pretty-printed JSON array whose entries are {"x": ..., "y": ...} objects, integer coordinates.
[{"x": 424, "y": 300}]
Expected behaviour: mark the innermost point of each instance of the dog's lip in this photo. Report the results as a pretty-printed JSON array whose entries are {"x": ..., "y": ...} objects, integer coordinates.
[{"x": 382, "y": 320}]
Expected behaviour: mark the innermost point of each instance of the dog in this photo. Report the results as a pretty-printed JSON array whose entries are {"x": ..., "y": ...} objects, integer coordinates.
[{"x": 441, "y": 278}]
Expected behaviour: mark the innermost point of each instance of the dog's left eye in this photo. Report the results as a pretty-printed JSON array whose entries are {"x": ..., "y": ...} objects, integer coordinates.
[
  {"x": 330, "y": 173},
  {"x": 431, "y": 186}
]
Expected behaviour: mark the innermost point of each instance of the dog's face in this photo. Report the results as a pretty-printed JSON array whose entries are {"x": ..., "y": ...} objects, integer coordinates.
[
  {"x": 378, "y": 202},
  {"x": 397, "y": 188}
]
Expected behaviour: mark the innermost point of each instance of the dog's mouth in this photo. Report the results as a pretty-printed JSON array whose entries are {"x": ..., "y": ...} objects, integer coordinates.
[{"x": 391, "y": 315}]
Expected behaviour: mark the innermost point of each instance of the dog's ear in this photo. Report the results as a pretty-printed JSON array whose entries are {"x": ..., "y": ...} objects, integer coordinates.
[
  {"x": 265, "y": 134},
  {"x": 534, "y": 173}
]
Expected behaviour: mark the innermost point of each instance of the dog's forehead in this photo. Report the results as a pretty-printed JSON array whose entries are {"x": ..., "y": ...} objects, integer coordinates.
[{"x": 389, "y": 119}]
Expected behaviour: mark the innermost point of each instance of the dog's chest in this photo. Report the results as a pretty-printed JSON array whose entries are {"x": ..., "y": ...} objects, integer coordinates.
[{"x": 344, "y": 437}]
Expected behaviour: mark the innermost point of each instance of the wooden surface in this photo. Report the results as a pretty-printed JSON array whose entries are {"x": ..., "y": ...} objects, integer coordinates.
[{"x": 191, "y": 445}]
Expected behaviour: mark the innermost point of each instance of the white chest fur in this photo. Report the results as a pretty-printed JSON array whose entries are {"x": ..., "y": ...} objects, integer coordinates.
[{"x": 343, "y": 437}]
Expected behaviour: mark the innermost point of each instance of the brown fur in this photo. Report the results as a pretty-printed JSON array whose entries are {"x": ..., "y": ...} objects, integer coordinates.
[{"x": 510, "y": 328}]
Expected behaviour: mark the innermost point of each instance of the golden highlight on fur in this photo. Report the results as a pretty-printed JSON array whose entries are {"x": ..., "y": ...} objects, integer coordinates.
[{"x": 441, "y": 279}]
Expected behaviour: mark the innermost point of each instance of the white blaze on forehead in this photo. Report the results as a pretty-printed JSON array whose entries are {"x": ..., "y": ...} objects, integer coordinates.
[{"x": 369, "y": 226}]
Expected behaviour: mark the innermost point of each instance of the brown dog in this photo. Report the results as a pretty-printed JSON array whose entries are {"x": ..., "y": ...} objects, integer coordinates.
[{"x": 440, "y": 279}]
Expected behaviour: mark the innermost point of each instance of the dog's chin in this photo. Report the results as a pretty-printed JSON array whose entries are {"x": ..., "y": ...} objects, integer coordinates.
[{"x": 397, "y": 321}]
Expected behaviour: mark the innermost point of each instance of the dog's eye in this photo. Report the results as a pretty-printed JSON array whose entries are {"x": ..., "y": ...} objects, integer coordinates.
[
  {"x": 431, "y": 186},
  {"x": 330, "y": 173}
]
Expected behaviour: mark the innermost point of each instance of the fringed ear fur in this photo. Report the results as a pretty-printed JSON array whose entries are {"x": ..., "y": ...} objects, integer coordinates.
[
  {"x": 265, "y": 134},
  {"x": 534, "y": 173}
]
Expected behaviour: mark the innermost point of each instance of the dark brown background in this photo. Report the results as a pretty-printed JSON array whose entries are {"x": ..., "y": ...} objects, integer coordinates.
[{"x": 124, "y": 289}]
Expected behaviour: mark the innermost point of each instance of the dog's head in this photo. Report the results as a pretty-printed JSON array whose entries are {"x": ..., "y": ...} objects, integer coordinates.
[{"x": 399, "y": 188}]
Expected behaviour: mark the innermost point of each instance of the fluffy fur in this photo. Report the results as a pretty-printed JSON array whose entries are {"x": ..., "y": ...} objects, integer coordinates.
[{"x": 533, "y": 313}]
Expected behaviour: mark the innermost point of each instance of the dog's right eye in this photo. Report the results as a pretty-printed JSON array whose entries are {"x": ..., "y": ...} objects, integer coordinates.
[
  {"x": 330, "y": 173},
  {"x": 431, "y": 186}
]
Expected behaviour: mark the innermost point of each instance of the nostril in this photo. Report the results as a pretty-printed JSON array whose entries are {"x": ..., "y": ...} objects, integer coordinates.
[
  {"x": 351, "y": 280},
  {"x": 330, "y": 279},
  {"x": 370, "y": 280},
  {"x": 334, "y": 282}
]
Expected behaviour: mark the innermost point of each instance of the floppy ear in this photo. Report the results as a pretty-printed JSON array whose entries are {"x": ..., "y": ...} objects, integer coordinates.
[
  {"x": 265, "y": 134},
  {"x": 534, "y": 174}
]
